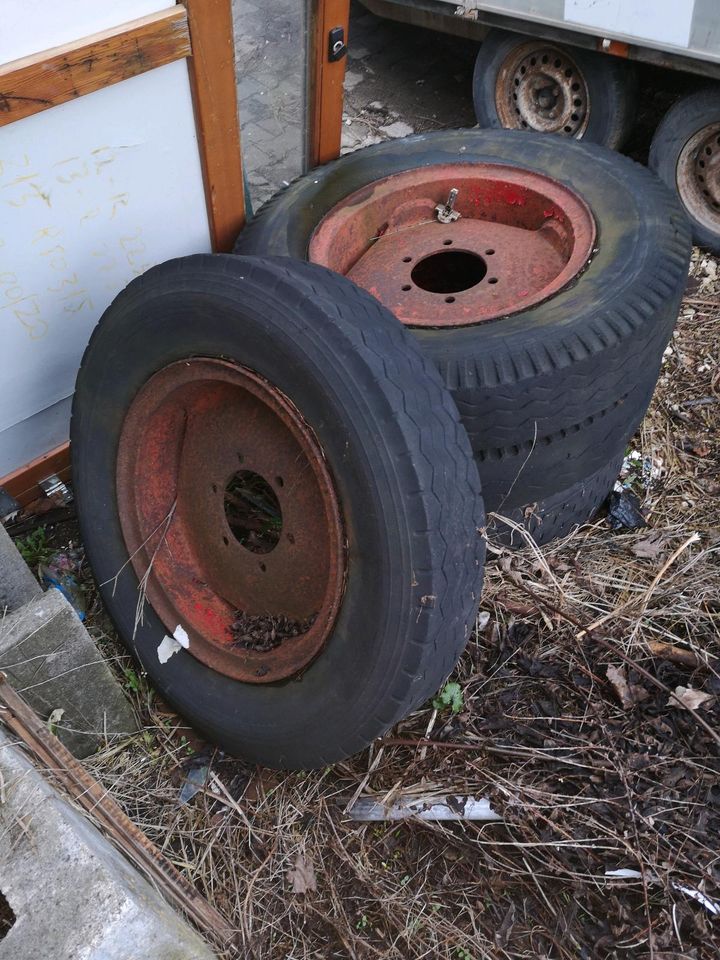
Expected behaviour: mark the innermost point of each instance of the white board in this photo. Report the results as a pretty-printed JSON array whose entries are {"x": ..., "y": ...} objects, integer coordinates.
[
  {"x": 92, "y": 193},
  {"x": 31, "y": 26},
  {"x": 664, "y": 21}
]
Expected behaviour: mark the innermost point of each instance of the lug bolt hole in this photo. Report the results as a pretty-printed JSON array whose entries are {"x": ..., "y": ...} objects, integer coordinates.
[
  {"x": 406, "y": 286},
  {"x": 489, "y": 252},
  {"x": 447, "y": 243},
  {"x": 493, "y": 280},
  {"x": 449, "y": 299},
  {"x": 407, "y": 259}
]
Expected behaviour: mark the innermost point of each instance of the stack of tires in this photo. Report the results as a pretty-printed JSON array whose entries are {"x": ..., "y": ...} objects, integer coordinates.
[
  {"x": 552, "y": 381},
  {"x": 282, "y": 477}
]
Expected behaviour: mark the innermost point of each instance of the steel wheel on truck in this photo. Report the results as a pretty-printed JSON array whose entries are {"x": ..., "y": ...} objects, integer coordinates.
[
  {"x": 527, "y": 83},
  {"x": 685, "y": 153}
]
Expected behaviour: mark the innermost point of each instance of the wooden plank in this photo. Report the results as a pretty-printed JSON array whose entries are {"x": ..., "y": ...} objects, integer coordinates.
[
  {"x": 212, "y": 80},
  {"x": 326, "y": 97},
  {"x": 46, "y": 79},
  {"x": 23, "y": 482}
]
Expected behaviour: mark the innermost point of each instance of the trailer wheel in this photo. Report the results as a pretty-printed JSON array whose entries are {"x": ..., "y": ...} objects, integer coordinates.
[
  {"x": 526, "y": 83},
  {"x": 279, "y": 504},
  {"x": 685, "y": 153}
]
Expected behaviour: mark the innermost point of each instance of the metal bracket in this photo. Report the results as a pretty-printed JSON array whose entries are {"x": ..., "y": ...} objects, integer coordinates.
[
  {"x": 445, "y": 212},
  {"x": 53, "y": 486},
  {"x": 337, "y": 48}
]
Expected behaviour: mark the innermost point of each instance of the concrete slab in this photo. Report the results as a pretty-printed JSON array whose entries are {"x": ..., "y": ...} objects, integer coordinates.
[
  {"x": 50, "y": 658},
  {"x": 17, "y": 584},
  {"x": 73, "y": 895}
]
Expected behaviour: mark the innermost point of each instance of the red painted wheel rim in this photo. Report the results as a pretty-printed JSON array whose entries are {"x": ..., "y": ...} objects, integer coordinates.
[
  {"x": 196, "y": 433},
  {"x": 521, "y": 238}
]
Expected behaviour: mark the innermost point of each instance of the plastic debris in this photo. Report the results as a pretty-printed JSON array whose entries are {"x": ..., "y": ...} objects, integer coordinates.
[
  {"x": 446, "y": 807},
  {"x": 60, "y": 572},
  {"x": 194, "y": 781},
  {"x": 9, "y": 507},
  {"x": 624, "y": 511}
]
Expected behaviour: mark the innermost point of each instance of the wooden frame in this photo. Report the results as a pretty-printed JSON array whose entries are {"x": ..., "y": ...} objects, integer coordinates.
[
  {"x": 326, "y": 88},
  {"x": 23, "y": 483},
  {"x": 213, "y": 85},
  {"x": 47, "y": 79}
]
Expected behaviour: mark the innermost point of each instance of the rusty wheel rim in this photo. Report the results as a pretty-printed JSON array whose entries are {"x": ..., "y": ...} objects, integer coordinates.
[
  {"x": 209, "y": 453},
  {"x": 541, "y": 88},
  {"x": 698, "y": 176},
  {"x": 520, "y": 238}
]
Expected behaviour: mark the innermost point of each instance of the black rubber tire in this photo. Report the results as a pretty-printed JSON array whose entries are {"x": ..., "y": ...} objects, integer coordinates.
[
  {"x": 560, "y": 514},
  {"x": 679, "y": 124},
  {"x": 557, "y": 389},
  {"x": 403, "y": 469},
  {"x": 611, "y": 85}
]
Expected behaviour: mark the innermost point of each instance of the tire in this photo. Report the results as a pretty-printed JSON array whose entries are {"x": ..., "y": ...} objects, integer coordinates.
[
  {"x": 400, "y": 462},
  {"x": 560, "y": 514},
  {"x": 607, "y": 89},
  {"x": 688, "y": 130},
  {"x": 558, "y": 388}
]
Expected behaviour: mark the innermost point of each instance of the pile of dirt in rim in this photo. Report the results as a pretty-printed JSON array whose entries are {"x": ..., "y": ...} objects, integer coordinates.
[
  {"x": 256, "y": 632},
  {"x": 588, "y": 716}
]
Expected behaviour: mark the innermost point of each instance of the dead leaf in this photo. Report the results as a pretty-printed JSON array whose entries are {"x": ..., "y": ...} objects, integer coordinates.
[
  {"x": 701, "y": 450},
  {"x": 628, "y": 694},
  {"x": 688, "y": 698},
  {"x": 649, "y": 548},
  {"x": 302, "y": 876}
]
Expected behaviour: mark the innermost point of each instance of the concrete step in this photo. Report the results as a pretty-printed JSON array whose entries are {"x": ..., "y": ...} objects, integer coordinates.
[
  {"x": 50, "y": 659},
  {"x": 73, "y": 895},
  {"x": 17, "y": 584}
]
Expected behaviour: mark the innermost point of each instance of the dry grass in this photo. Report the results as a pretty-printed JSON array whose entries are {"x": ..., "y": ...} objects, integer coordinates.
[{"x": 586, "y": 784}]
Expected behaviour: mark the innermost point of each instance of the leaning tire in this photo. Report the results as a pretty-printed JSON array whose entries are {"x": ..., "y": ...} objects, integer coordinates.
[
  {"x": 527, "y": 83},
  {"x": 548, "y": 393},
  {"x": 207, "y": 363},
  {"x": 685, "y": 154}
]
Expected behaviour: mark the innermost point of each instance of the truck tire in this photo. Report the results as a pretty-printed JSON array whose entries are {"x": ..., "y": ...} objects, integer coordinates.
[
  {"x": 215, "y": 366},
  {"x": 557, "y": 515},
  {"x": 685, "y": 154},
  {"x": 527, "y": 83},
  {"x": 549, "y": 392}
]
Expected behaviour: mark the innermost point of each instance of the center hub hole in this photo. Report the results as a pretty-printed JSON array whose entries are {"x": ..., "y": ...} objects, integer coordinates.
[
  {"x": 253, "y": 511},
  {"x": 449, "y": 271}
]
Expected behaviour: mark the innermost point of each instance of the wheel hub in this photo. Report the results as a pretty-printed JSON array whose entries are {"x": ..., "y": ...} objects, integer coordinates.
[
  {"x": 698, "y": 176},
  {"x": 541, "y": 88},
  {"x": 230, "y": 518},
  {"x": 520, "y": 237}
]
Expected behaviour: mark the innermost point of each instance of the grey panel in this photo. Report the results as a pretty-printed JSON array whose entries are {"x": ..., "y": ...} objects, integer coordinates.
[
  {"x": 542, "y": 9},
  {"x": 33, "y": 437},
  {"x": 705, "y": 28}
]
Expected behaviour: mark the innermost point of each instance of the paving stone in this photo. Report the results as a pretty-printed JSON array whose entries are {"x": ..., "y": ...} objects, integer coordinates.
[
  {"x": 74, "y": 896},
  {"x": 51, "y": 659}
]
